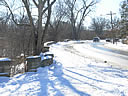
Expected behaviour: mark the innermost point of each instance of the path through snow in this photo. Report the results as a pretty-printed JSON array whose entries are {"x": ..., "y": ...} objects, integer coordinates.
[{"x": 71, "y": 75}]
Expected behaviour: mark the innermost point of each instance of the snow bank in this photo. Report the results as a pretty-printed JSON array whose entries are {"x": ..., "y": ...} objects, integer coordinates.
[
  {"x": 5, "y": 59},
  {"x": 46, "y": 55},
  {"x": 33, "y": 57},
  {"x": 118, "y": 46},
  {"x": 42, "y": 55},
  {"x": 86, "y": 77},
  {"x": 49, "y": 43}
]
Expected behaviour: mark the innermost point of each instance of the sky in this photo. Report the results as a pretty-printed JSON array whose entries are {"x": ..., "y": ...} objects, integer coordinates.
[{"x": 103, "y": 8}]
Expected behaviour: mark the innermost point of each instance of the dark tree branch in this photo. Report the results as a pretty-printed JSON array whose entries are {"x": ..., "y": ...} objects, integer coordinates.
[
  {"x": 35, "y": 3},
  {"x": 48, "y": 6},
  {"x": 11, "y": 14},
  {"x": 25, "y": 2}
]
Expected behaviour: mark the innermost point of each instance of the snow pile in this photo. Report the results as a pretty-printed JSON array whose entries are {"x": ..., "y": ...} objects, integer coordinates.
[
  {"x": 46, "y": 55},
  {"x": 33, "y": 57},
  {"x": 5, "y": 59},
  {"x": 118, "y": 46},
  {"x": 49, "y": 43}
]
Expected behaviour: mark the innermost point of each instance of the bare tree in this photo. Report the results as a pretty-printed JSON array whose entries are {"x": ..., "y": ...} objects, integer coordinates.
[
  {"x": 77, "y": 14},
  {"x": 44, "y": 8},
  {"x": 39, "y": 33},
  {"x": 58, "y": 18},
  {"x": 99, "y": 25}
]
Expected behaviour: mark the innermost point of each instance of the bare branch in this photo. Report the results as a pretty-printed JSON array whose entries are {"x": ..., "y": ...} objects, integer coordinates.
[
  {"x": 48, "y": 6},
  {"x": 35, "y": 3},
  {"x": 28, "y": 11},
  {"x": 78, "y": 12},
  {"x": 13, "y": 18},
  {"x": 26, "y": 4}
]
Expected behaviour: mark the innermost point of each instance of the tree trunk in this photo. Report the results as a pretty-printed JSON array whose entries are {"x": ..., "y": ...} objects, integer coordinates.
[
  {"x": 39, "y": 28},
  {"x": 47, "y": 22}
]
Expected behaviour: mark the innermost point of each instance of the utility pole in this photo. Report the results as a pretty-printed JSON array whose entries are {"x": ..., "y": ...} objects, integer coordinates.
[{"x": 111, "y": 14}]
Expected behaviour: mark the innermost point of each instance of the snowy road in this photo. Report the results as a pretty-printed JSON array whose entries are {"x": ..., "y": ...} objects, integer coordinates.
[
  {"x": 87, "y": 73},
  {"x": 97, "y": 51},
  {"x": 75, "y": 72}
]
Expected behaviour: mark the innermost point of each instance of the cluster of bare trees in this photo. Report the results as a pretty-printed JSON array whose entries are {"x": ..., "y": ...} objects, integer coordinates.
[
  {"x": 14, "y": 40},
  {"x": 43, "y": 8},
  {"x": 102, "y": 27},
  {"x": 29, "y": 23},
  {"x": 115, "y": 28},
  {"x": 99, "y": 24},
  {"x": 26, "y": 24},
  {"x": 76, "y": 14}
]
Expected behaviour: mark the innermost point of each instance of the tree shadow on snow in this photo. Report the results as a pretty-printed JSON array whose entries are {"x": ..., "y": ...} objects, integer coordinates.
[
  {"x": 115, "y": 73},
  {"x": 29, "y": 83},
  {"x": 58, "y": 73}
]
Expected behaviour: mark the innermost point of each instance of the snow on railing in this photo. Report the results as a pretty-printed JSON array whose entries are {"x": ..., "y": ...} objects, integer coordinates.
[
  {"x": 29, "y": 64},
  {"x": 5, "y": 59}
]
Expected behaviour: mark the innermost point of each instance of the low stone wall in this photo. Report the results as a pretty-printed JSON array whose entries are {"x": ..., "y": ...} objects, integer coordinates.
[
  {"x": 45, "y": 49},
  {"x": 49, "y": 43},
  {"x": 5, "y": 68},
  {"x": 13, "y": 67},
  {"x": 46, "y": 59},
  {"x": 33, "y": 62},
  {"x": 46, "y": 62}
]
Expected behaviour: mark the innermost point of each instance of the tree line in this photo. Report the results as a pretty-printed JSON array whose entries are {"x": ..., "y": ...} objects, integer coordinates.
[{"x": 27, "y": 24}]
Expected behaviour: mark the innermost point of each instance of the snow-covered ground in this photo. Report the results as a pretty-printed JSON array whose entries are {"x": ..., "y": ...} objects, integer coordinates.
[
  {"x": 99, "y": 52},
  {"x": 72, "y": 74},
  {"x": 118, "y": 46}
]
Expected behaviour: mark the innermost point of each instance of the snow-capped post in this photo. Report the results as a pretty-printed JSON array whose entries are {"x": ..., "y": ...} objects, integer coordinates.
[
  {"x": 33, "y": 62},
  {"x": 5, "y": 67}
]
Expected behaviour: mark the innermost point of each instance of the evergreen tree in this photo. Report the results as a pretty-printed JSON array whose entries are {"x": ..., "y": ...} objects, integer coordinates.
[{"x": 124, "y": 18}]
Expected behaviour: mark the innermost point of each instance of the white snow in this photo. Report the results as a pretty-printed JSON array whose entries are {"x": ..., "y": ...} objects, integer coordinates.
[
  {"x": 43, "y": 57},
  {"x": 33, "y": 57},
  {"x": 118, "y": 46},
  {"x": 71, "y": 74},
  {"x": 5, "y": 59},
  {"x": 96, "y": 51}
]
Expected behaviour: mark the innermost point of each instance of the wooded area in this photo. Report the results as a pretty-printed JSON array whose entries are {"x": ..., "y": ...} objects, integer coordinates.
[{"x": 26, "y": 24}]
